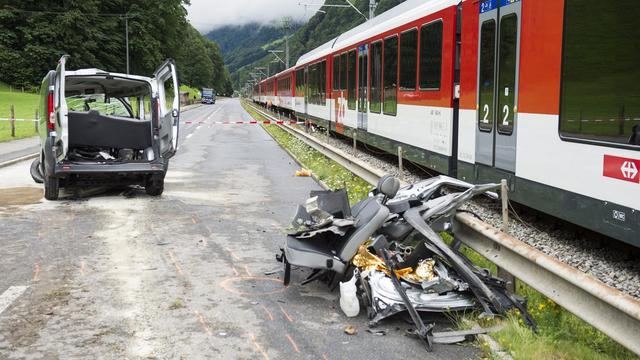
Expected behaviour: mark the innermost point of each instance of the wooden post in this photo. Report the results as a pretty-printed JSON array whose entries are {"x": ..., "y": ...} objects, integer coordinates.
[
  {"x": 355, "y": 142},
  {"x": 400, "y": 165},
  {"x": 504, "y": 196},
  {"x": 12, "y": 121},
  {"x": 37, "y": 121}
]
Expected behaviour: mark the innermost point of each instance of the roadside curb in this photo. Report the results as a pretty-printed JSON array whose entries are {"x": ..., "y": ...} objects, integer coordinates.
[{"x": 20, "y": 159}]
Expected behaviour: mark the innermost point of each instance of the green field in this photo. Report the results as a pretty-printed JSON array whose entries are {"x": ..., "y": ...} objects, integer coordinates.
[{"x": 25, "y": 105}]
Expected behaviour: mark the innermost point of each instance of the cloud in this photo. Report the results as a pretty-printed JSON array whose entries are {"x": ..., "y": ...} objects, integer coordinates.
[{"x": 207, "y": 15}]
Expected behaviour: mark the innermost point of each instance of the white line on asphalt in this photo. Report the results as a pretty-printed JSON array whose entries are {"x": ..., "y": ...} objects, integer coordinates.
[
  {"x": 10, "y": 296},
  {"x": 190, "y": 135},
  {"x": 215, "y": 112}
]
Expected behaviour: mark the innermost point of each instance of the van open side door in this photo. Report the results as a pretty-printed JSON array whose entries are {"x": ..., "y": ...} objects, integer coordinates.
[
  {"x": 61, "y": 109},
  {"x": 168, "y": 97}
]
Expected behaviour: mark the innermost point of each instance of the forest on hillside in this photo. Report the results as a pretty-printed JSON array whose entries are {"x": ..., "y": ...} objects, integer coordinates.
[
  {"x": 244, "y": 44},
  {"x": 34, "y": 34}
]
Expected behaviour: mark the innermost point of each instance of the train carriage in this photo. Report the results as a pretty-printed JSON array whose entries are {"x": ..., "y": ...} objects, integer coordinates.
[{"x": 545, "y": 94}]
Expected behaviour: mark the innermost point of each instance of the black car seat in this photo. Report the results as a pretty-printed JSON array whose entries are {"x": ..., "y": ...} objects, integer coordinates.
[{"x": 369, "y": 215}]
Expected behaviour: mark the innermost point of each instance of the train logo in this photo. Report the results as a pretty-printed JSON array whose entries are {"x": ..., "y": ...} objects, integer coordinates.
[
  {"x": 629, "y": 170},
  {"x": 622, "y": 168}
]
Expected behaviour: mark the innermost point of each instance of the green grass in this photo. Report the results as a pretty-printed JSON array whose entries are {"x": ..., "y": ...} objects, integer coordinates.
[
  {"x": 325, "y": 169},
  {"x": 25, "y": 105},
  {"x": 561, "y": 335},
  {"x": 192, "y": 91}
]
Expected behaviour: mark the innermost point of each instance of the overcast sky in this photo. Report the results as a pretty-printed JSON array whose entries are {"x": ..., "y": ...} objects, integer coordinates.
[{"x": 207, "y": 15}]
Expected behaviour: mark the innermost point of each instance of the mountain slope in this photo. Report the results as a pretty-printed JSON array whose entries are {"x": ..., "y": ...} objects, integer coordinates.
[{"x": 242, "y": 45}]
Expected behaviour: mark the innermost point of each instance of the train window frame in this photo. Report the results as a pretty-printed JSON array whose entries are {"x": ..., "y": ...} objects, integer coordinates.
[
  {"x": 401, "y": 66},
  {"x": 352, "y": 80},
  {"x": 587, "y": 139},
  {"x": 501, "y": 127},
  {"x": 422, "y": 48},
  {"x": 489, "y": 125},
  {"x": 336, "y": 73},
  {"x": 384, "y": 76},
  {"x": 343, "y": 71},
  {"x": 376, "y": 106}
]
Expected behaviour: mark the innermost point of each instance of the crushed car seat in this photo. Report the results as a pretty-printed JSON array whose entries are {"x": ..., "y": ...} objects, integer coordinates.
[{"x": 369, "y": 216}]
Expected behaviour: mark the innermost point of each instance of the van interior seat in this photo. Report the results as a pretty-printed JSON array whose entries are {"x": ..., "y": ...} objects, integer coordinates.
[{"x": 96, "y": 130}]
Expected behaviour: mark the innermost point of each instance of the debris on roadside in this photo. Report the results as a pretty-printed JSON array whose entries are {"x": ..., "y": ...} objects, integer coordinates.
[
  {"x": 388, "y": 251},
  {"x": 350, "y": 330},
  {"x": 303, "y": 173}
]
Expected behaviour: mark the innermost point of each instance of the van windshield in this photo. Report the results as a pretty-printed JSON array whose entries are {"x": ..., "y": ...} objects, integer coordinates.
[{"x": 111, "y": 107}]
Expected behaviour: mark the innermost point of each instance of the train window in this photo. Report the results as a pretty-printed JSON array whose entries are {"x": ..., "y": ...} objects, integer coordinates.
[
  {"x": 487, "y": 72},
  {"x": 376, "y": 78},
  {"x": 408, "y": 59},
  {"x": 336, "y": 73},
  {"x": 323, "y": 84},
  {"x": 390, "y": 106},
  {"x": 351, "y": 86},
  {"x": 507, "y": 73},
  {"x": 300, "y": 83},
  {"x": 431, "y": 56},
  {"x": 600, "y": 94},
  {"x": 343, "y": 72}
]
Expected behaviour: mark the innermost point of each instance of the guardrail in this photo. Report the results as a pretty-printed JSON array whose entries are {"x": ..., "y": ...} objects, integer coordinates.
[{"x": 614, "y": 313}]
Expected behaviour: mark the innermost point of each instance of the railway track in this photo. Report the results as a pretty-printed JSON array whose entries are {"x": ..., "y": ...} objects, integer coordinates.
[{"x": 615, "y": 313}]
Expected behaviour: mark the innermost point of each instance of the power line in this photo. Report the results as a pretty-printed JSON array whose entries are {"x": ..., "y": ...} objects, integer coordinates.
[{"x": 68, "y": 11}]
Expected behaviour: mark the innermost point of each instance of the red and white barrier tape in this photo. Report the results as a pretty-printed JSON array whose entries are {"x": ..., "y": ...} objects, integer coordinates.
[
  {"x": 20, "y": 120},
  {"x": 252, "y": 122}
]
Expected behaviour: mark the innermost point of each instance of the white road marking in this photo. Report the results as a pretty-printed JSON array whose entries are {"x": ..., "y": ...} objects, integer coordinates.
[
  {"x": 190, "y": 135},
  {"x": 198, "y": 127},
  {"x": 215, "y": 112},
  {"x": 10, "y": 296}
]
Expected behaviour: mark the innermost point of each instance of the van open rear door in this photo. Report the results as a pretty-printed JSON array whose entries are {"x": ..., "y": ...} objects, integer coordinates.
[
  {"x": 61, "y": 110},
  {"x": 168, "y": 108}
]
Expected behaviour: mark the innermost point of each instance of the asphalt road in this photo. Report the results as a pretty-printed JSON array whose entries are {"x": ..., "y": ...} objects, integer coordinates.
[{"x": 116, "y": 274}]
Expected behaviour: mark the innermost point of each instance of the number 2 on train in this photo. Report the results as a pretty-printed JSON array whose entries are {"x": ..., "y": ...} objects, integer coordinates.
[
  {"x": 486, "y": 114},
  {"x": 505, "y": 111}
]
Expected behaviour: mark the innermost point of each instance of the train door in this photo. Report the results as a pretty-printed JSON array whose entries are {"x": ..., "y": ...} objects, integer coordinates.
[
  {"x": 498, "y": 54},
  {"x": 363, "y": 86}
]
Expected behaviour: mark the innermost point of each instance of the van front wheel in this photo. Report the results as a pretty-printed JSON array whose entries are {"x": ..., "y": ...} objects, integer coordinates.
[
  {"x": 51, "y": 188},
  {"x": 155, "y": 185}
]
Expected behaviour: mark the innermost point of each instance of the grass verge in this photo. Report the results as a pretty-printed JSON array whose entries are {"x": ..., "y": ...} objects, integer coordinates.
[
  {"x": 561, "y": 335},
  {"x": 25, "y": 105}
]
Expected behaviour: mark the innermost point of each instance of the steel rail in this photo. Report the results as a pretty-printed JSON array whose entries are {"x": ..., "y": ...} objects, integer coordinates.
[{"x": 607, "y": 309}]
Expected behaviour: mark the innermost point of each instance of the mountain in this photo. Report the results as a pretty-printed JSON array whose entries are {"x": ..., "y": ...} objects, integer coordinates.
[{"x": 242, "y": 45}]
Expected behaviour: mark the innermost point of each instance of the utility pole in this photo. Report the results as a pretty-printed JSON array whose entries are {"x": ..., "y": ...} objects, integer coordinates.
[
  {"x": 373, "y": 4},
  {"x": 286, "y": 25},
  {"x": 126, "y": 37}
]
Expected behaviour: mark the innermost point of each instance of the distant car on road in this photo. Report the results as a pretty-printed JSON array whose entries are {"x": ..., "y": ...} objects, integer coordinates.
[
  {"x": 208, "y": 96},
  {"x": 105, "y": 128}
]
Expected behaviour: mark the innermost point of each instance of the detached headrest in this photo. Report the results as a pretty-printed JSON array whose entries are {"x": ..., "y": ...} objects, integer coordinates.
[{"x": 388, "y": 185}]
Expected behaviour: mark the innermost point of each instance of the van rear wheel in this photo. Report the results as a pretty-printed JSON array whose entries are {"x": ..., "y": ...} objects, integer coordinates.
[
  {"x": 155, "y": 185},
  {"x": 51, "y": 188}
]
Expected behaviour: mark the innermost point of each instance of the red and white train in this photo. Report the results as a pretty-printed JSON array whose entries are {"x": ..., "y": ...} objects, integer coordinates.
[{"x": 543, "y": 93}]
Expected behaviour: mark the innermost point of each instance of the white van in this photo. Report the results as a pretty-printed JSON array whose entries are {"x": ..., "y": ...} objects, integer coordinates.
[{"x": 103, "y": 128}]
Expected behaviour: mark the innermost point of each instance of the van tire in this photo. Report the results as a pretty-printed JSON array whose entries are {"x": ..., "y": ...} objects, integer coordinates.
[
  {"x": 36, "y": 171},
  {"x": 51, "y": 188},
  {"x": 155, "y": 185}
]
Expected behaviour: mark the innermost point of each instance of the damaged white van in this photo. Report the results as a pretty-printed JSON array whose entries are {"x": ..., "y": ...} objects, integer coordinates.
[{"x": 104, "y": 129}]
